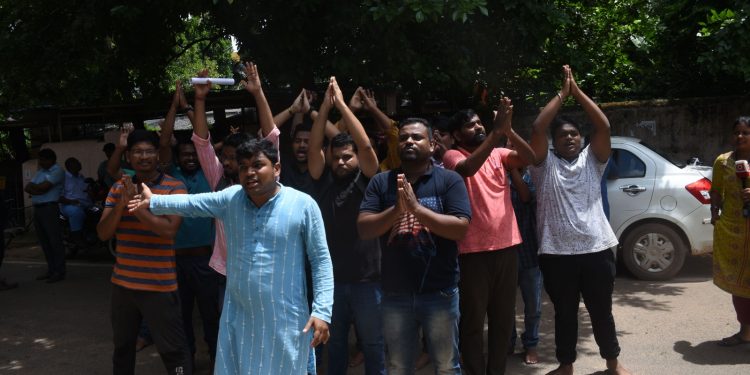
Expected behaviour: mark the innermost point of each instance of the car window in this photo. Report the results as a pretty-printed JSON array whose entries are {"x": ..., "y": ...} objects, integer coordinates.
[
  {"x": 625, "y": 165},
  {"x": 669, "y": 157}
]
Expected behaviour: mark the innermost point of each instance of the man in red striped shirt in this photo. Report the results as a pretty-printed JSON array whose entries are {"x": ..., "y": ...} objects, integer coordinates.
[{"x": 144, "y": 275}]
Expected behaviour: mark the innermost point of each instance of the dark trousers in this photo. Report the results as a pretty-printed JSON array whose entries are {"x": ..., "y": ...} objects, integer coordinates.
[
  {"x": 162, "y": 311},
  {"x": 487, "y": 288},
  {"x": 566, "y": 279},
  {"x": 49, "y": 233},
  {"x": 199, "y": 283},
  {"x": 2, "y": 237},
  {"x": 742, "y": 308}
]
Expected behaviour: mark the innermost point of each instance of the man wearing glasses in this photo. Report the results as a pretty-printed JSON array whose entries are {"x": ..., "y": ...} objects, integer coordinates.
[{"x": 144, "y": 275}]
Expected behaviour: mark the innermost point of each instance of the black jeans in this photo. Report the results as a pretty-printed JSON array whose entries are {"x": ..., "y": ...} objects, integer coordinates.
[
  {"x": 488, "y": 288},
  {"x": 566, "y": 279},
  {"x": 162, "y": 311},
  {"x": 199, "y": 283},
  {"x": 49, "y": 233}
]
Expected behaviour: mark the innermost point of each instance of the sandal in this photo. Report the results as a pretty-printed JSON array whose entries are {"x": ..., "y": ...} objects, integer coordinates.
[{"x": 733, "y": 340}]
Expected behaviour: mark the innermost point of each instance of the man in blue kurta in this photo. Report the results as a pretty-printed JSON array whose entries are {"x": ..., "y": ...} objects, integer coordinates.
[{"x": 265, "y": 323}]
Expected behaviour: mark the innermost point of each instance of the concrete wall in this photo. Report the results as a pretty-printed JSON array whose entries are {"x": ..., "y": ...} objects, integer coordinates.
[{"x": 684, "y": 128}]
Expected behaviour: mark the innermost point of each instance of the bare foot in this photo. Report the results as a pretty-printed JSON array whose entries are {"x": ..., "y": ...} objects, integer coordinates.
[
  {"x": 614, "y": 367},
  {"x": 357, "y": 359},
  {"x": 423, "y": 360},
  {"x": 562, "y": 370},
  {"x": 141, "y": 343},
  {"x": 531, "y": 356}
]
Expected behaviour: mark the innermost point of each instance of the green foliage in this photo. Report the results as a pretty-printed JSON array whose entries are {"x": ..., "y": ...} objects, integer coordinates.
[
  {"x": 103, "y": 51},
  {"x": 91, "y": 52},
  {"x": 421, "y": 10},
  {"x": 195, "y": 50},
  {"x": 609, "y": 44},
  {"x": 725, "y": 40}
]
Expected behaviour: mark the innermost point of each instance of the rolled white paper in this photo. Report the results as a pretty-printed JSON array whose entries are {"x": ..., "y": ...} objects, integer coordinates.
[{"x": 214, "y": 81}]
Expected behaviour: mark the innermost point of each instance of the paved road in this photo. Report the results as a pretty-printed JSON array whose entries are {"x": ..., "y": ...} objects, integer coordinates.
[{"x": 664, "y": 327}]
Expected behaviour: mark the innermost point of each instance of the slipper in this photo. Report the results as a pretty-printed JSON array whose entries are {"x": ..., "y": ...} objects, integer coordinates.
[{"x": 733, "y": 340}]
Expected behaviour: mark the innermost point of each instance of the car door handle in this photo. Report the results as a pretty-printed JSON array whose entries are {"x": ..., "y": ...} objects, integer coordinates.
[{"x": 633, "y": 189}]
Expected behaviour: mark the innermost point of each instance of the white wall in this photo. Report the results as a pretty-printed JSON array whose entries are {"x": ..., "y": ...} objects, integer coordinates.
[{"x": 88, "y": 152}]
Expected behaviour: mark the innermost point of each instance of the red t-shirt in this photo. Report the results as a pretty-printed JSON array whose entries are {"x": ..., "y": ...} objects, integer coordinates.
[{"x": 493, "y": 223}]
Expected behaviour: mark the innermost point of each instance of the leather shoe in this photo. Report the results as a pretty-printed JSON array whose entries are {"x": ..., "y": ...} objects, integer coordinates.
[
  {"x": 55, "y": 278},
  {"x": 44, "y": 276}
]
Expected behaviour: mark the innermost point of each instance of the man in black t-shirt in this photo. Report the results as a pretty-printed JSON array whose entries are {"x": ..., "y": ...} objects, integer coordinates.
[
  {"x": 356, "y": 262},
  {"x": 418, "y": 211},
  {"x": 294, "y": 171}
]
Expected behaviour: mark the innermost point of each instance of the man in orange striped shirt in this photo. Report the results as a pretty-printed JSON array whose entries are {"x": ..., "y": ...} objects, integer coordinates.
[{"x": 144, "y": 275}]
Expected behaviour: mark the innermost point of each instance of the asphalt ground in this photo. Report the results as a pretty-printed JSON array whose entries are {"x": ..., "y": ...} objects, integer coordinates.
[{"x": 664, "y": 327}]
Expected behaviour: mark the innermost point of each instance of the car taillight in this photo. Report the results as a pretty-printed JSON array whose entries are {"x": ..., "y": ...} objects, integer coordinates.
[{"x": 699, "y": 189}]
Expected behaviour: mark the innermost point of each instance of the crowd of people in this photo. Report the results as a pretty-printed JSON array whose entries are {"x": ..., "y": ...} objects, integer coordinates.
[{"x": 414, "y": 233}]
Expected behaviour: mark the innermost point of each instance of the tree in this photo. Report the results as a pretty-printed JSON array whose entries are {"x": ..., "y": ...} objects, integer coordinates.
[
  {"x": 91, "y": 52},
  {"x": 94, "y": 52}
]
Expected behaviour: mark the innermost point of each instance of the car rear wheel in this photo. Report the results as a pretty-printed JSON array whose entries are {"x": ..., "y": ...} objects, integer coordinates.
[{"x": 653, "y": 251}]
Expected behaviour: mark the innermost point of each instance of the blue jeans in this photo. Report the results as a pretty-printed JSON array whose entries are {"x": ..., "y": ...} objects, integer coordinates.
[
  {"x": 76, "y": 216},
  {"x": 312, "y": 364},
  {"x": 357, "y": 303},
  {"x": 530, "y": 282},
  {"x": 437, "y": 313}
]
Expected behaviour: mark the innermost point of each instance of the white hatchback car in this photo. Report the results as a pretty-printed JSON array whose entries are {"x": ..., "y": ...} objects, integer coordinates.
[{"x": 659, "y": 209}]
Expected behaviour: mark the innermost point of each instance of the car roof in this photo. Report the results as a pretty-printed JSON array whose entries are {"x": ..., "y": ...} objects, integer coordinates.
[{"x": 625, "y": 139}]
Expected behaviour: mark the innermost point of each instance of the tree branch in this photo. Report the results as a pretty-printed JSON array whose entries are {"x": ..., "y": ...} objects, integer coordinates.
[{"x": 211, "y": 38}]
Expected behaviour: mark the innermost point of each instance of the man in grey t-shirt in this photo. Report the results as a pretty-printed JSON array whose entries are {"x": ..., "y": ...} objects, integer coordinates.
[{"x": 574, "y": 235}]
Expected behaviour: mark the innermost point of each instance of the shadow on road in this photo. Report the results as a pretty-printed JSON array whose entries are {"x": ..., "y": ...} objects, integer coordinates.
[
  {"x": 637, "y": 293},
  {"x": 708, "y": 353},
  {"x": 645, "y": 294}
]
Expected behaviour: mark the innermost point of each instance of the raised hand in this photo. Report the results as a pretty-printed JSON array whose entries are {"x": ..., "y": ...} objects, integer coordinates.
[
  {"x": 202, "y": 89},
  {"x": 298, "y": 104},
  {"x": 180, "y": 94},
  {"x": 567, "y": 82},
  {"x": 337, "y": 98},
  {"x": 574, "y": 89},
  {"x": 355, "y": 103},
  {"x": 368, "y": 99},
  {"x": 503, "y": 116},
  {"x": 125, "y": 131},
  {"x": 252, "y": 82},
  {"x": 305, "y": 101},
  {"x": 176, "y": 95},
  {"x": 311, "y": 97}
]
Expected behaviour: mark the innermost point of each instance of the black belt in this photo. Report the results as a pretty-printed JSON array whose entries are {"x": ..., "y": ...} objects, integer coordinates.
[{"x": 44, "y": 204}]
